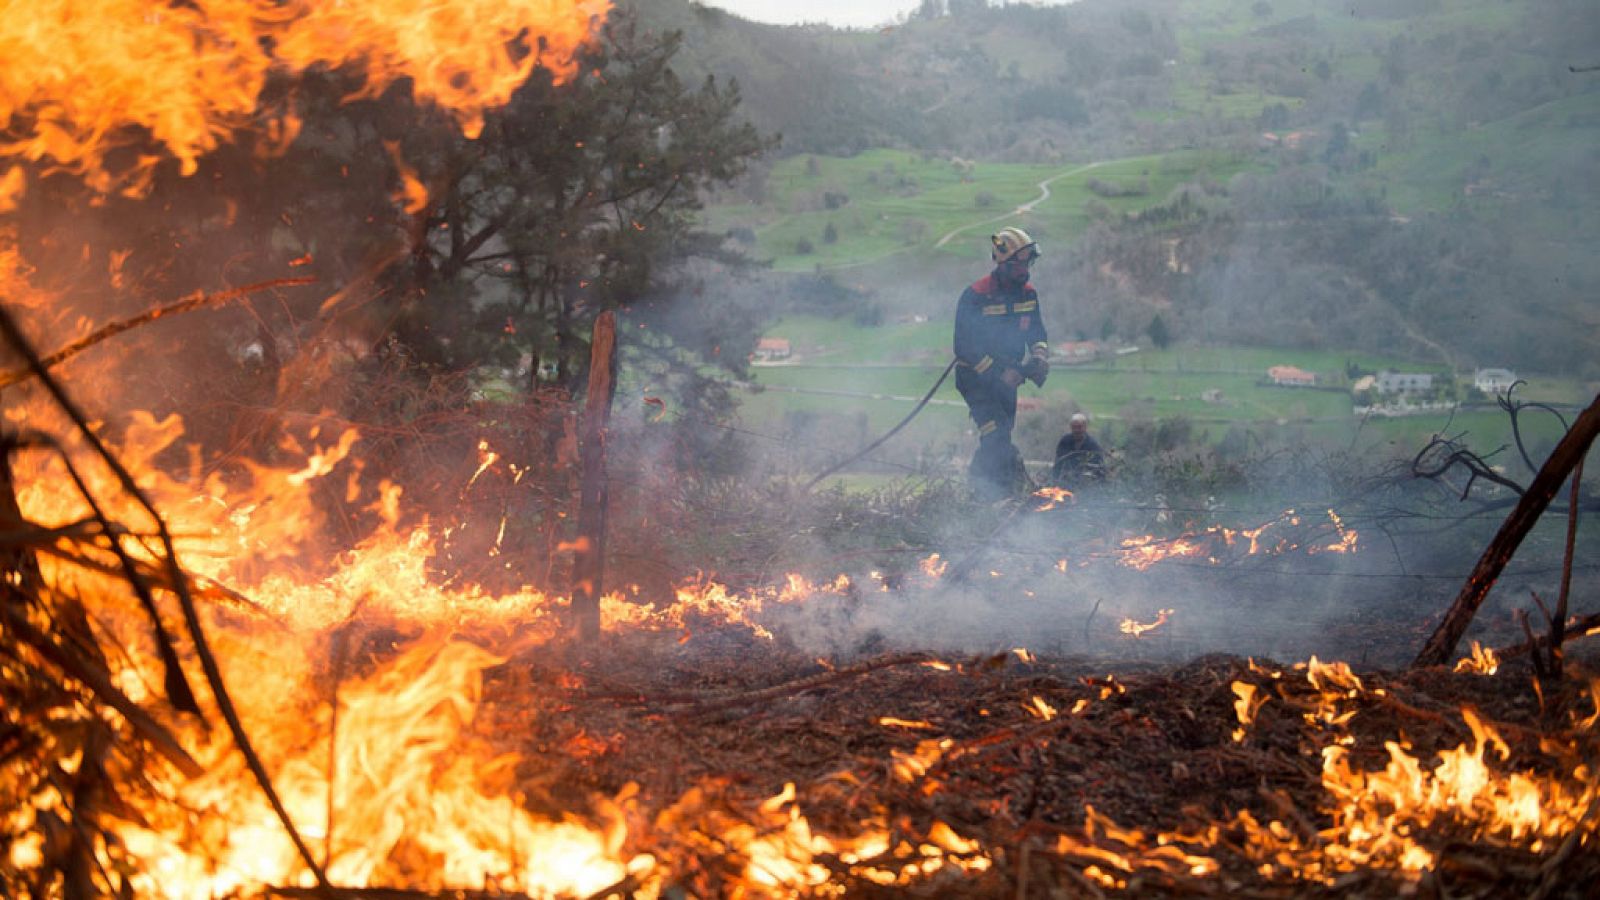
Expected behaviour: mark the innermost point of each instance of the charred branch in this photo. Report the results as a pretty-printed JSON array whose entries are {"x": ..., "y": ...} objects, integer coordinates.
[
  {"x": 1443, "y": 454},
  {"x": 188, "y": 304},
  {"x": 1513, "y": 408},
  {"x": 1558, "y": 624},
  {"x": 1563, "y": 460}
]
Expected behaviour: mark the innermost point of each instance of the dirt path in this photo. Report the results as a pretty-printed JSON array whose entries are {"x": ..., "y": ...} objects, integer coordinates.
[{"x": 1044, "y": 194}]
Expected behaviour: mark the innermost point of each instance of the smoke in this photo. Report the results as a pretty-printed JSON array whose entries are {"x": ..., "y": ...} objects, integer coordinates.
[{"x": 1045, "y": 584}]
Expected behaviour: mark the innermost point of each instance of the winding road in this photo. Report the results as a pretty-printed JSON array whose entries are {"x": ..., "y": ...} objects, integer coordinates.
[{"x": 1044, "y": 194}]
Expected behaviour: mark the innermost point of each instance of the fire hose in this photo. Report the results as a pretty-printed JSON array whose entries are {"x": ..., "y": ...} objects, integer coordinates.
[
  {"x": 889, "y": 434},
  {"x": 1032, "y": 372}
]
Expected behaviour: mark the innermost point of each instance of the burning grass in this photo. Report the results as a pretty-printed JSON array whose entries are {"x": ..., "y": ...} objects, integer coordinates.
[
  {"x": 265, "y": 676},
  {"x": 431, "y": 738},
  {"x": 428, "y": 732},
  {"x": 1064, "y": 776}
]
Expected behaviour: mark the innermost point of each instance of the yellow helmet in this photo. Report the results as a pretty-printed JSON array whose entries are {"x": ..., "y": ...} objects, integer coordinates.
[{"x": 1008, "y": 242}]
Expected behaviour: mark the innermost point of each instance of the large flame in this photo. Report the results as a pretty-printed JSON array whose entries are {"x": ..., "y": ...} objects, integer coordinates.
[{"x": 95, "y": 87}]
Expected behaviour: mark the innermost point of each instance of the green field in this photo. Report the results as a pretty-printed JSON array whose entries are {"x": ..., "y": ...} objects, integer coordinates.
[
  {"x": 818, "y": 340},
  {"x": 889, "y": 202},
  {"x": 1432, "y": 171},
  {"x": 846, "y": 384}
]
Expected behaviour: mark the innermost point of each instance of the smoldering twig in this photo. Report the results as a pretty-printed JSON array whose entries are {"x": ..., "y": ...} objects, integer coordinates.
[
  {"x": 190, "y": 303},
  {"x": 1576, "y": 627}
]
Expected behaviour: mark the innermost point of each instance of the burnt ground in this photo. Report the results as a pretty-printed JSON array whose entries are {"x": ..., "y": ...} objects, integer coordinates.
[{"x": 730, "y": 719}]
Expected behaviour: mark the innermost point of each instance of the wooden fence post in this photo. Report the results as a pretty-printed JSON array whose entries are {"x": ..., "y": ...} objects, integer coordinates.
[
  {"x": 1563, "y": 459},
  {"x": 588, "y": 564}
]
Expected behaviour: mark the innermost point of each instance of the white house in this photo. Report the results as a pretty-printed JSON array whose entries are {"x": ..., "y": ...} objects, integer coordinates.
[
  {"x": 1494, "y": 381},
  {"x": 1405, "y": 382}
]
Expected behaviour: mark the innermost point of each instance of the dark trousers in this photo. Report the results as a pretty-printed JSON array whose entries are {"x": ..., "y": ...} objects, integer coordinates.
[{"x": 996, "y": 469}]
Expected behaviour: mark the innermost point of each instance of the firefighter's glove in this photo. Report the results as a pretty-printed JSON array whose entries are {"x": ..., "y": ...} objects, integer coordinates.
[
  {"x": 1011, "y": 377},
  {"x": 1037, "y": 370}
]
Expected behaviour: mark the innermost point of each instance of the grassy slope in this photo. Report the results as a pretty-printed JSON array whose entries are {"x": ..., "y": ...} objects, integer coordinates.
[
  {"x": 901, "y": 203},
  {"x": 1430, "y": 173}
]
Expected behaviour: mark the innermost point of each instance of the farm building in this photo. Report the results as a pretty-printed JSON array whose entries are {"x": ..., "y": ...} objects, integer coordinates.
[{"x": 771, "y": 350}]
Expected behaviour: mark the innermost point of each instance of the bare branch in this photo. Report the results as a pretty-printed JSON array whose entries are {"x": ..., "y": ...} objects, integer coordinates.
[{"x": 187, "y": 304}]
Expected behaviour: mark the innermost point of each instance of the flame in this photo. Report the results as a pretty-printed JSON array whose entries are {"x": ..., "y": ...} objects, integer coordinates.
[
  {"x": 1377, "y": 812},
  {"x": 1246, "y": 706},
  {"x": 781, "y": 850},
  {"x": 412, "y": 195},
  {"x": 908, "y": 767},
  {"x": 915, "y": 724},
  {"x": 408, "y": 779},
  {"x": 1482, "y": 661},
  {"x": 1038, "y": 707},
  {"x": 1140, "y": 552},
  {"x": 393, "y": 778},
  {"x": 1137, "y": 629},
  {"x": 1052, "y": 497},
  {"x": 85, "y": 80}
]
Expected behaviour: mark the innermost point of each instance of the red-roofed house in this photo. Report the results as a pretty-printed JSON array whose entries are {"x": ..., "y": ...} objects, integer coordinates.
[
  {"x": 1289, "y": 376},
  {"x": 769, "y": 349}
]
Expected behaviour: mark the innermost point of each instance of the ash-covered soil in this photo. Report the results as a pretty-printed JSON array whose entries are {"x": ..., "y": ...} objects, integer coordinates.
[{"x": 1038, "y": 757}]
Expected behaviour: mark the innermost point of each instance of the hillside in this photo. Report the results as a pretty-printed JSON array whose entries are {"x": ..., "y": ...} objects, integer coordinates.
[{"x": 1414, "y": 178}]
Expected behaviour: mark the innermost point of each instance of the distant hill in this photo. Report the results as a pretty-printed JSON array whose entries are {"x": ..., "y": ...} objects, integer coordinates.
[
  {"x": 1017, "y": 81},
  {"x": 1414, "y": 176}
]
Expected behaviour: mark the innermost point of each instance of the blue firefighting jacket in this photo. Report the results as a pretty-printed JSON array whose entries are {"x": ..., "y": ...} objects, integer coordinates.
[{"x": 997, "y": 328}]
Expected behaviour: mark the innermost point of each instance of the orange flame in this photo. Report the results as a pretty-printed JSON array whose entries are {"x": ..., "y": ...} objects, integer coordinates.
[
  {"x": 1246, "y": 706},
  {"x": 1482, "y": 661},
  {"x": 86, "y": 78},
  {"x": 1052, "y": 497},
  {"x": 1138, "y": 629},
  {"x": 1143, "y": 551}
]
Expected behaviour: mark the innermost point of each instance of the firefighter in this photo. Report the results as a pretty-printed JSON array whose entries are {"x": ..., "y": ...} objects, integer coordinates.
[
  {"x": 1079, "y": 459},
  {"x": 999, "y": 343}
]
